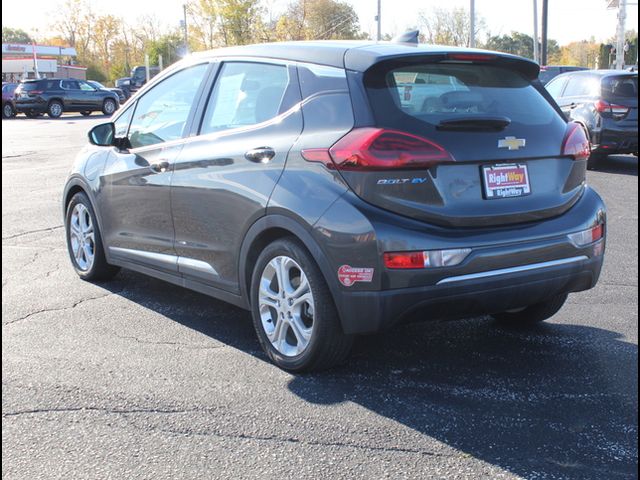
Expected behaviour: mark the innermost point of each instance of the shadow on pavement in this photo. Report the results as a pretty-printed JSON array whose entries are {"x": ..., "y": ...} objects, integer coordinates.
[
  {"x": 621, "y": 164},
  {"x": 549, "y": 401}
]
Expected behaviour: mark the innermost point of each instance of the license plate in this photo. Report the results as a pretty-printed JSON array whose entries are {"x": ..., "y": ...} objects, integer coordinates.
[{"x": 505, "y": 181}]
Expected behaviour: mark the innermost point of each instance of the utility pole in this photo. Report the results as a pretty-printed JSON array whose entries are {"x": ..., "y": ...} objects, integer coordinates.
[
  {"x": 622, "y": 19},
  {"x": 186, "y": 32},
  {"x": 379, "y": 20},
  {"x": 545, "y": 32},
  {"x": 536, "y": 46},
  {"x": 472, "y": 37}
]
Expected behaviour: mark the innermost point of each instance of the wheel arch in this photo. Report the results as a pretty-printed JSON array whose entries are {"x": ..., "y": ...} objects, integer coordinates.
[
  {"x": 76, "y": 185},
  {"x": 268, "y": 229}
]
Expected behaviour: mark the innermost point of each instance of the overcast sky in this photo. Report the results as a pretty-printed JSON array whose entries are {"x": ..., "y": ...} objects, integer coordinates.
[{"x": 569, "y": 20}]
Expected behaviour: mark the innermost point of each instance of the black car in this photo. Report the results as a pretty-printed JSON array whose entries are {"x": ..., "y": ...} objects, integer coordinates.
[
  {"x": 605, "y": 103},
  {"x": 119, "y": 92},
  {"x": 55, "y": 96},
  {"x": 550, "y": 72},
  {"x": 8, "y": 90},
  {"x": 138, "y": 78},
  {"x": 306, "y": 183}
]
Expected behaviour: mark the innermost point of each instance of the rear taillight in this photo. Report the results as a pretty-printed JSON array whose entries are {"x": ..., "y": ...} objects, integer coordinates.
[
  {"x": 576, "y": 143},
  {"x": 380, "y": 149},
  {"x": 35, "y": 92},
  {"x": 611, "y": 108},
  {"x": 427, "y": 259}
]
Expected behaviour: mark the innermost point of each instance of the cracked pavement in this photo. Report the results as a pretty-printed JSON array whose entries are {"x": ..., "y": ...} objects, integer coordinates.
[{"x": 140, "y": 379}]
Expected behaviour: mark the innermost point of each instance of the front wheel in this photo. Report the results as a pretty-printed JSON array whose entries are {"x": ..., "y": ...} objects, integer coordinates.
[
  {"x": 534, "y": 313},
  {"x": 109, "y": 106},
  {"x": 293, "y": 311},
  {"x": 84, "y": 242}
]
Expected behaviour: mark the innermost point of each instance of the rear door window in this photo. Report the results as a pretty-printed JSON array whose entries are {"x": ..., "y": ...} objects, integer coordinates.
[
  {"x": 581, "y": 86},
  {"x": 430, "y": 93},
  {"x": 245, "y": 94}
]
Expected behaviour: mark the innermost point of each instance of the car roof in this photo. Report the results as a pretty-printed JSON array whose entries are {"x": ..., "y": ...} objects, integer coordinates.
[
  {"x": 352, "y": 55},
  {"x": 598, "y": 73}
]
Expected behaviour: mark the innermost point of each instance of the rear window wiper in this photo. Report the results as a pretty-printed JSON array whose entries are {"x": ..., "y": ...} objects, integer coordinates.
[{"x": 493, "y": 123}]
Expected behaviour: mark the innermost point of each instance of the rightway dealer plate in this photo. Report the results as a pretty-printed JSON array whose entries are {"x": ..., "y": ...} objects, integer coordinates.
[{"x": 505, "y": 181}]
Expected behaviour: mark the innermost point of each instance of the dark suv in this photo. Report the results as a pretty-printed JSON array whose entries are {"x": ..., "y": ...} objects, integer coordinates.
[
  {"x": 55, "y": 96},
  {"x": 306, "y": 183},
  {"x": 605, "y": 103}
]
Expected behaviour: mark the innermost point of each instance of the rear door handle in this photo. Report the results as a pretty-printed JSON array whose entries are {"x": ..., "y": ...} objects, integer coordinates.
[
  {"x": 260, "y": 154},
  {"x": 161, "y": 166}
]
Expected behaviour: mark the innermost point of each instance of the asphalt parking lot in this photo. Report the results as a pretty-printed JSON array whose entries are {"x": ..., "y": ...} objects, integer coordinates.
[{"x": 140, "y": 379}]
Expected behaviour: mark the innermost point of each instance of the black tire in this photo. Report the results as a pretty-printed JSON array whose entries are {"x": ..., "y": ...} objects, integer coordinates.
[
  {"x": 109, "y": 106},
  {"x": 55, "y": 109},
  {"x": 100, "y": 269},
  {"x": 533, "y": 313},
  {"x": 8, "y": 111},
  {"x": 86, "y": 113},
  {"x": 328, "y": 345},
  {"x": 595, "y": 159}
]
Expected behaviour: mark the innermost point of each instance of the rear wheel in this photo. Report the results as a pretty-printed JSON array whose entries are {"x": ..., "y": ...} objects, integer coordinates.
[
  {"x": 109, "y": 106},
  {"x": 84, "y": 242},
  {"x": 293, "y": 311},
  {"x": 55, "y": 109},
  {"x": 533, "y": 313},
  {"x": 8, "y": 111}
]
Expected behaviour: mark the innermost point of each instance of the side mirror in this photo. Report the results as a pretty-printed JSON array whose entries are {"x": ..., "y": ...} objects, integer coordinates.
[{"x": 103, "y": 135}]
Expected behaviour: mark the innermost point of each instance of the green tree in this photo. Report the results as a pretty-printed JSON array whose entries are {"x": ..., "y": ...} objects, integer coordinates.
[
  {"x": 444, "y": 26},
  {"x": 15, "y": 35},
  {"x": 318, "y": 20}
]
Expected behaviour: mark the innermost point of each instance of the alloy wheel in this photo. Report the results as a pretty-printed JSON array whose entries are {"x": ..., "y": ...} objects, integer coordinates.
[
  {"x": 286, "y": 306},
  {"x": 82, "y": 237}
]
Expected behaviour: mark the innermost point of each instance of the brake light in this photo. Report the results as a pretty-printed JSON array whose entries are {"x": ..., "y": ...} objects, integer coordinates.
[
  {"x": 471, "y": 57},
  {"x": 603, "y": 106},
  {"x": 35, "y": 92},
  {"x": 427, "y": 259},
  {"x": 576, "y": 143}
]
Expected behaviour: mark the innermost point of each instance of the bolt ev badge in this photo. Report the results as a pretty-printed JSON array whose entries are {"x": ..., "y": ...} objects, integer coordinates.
[{"x": 512, "y": 143}]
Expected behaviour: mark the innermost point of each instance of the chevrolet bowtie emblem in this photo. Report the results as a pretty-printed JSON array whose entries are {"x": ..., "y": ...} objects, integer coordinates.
[{"x": 512, "y": 143}]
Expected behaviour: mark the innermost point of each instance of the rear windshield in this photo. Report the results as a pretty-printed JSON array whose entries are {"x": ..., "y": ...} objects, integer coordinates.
[
  {"x": 432, "y": 93},
  {"x": 620, "y": 87}
]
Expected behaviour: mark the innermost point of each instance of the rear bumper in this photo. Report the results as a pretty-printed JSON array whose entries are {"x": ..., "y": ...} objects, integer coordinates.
[
  {"x": 509, "y": 267},
  {"x": 368, "y": 312},
  {"x": 616, "y": 141},
  {"x": 22, "y": 106}
]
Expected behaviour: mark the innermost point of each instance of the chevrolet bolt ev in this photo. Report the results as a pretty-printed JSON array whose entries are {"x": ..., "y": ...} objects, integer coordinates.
[{"x": 338, "y": 188}]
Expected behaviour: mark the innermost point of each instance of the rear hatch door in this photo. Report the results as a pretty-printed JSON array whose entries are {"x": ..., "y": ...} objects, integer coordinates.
[{"x": 501, "y": 137}]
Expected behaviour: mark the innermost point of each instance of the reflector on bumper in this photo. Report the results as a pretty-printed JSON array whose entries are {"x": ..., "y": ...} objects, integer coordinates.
[{"x": 426, "y": 259}]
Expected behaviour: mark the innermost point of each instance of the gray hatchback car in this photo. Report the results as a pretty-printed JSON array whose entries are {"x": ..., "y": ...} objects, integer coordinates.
[{"x": 339, "y": 188}]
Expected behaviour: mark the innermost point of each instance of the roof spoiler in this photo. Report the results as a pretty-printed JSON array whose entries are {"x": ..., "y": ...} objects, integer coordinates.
[{"x": 411, "y": 36}]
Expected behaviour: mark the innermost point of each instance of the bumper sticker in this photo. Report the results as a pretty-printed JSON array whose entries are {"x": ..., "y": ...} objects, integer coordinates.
[{"x": 349, "y": 276}]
